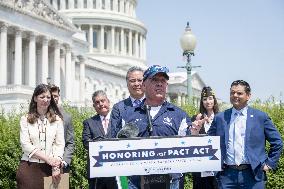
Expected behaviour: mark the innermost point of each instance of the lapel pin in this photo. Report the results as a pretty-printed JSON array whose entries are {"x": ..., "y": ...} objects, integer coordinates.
[{"x": 251, "y": 115}]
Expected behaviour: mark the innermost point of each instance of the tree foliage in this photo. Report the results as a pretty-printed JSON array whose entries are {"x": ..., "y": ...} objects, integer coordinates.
[{"x": 10, "y": 149}]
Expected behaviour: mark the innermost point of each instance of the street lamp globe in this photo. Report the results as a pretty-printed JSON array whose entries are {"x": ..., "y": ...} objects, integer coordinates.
[
  {"x": 188, "y": 44},
  {"x": 188, "y": 40}
]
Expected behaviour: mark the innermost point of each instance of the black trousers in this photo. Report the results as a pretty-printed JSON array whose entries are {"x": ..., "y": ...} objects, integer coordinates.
[
  {"x": 204, "y": 182},
  {"x": 103, "y": 183}
]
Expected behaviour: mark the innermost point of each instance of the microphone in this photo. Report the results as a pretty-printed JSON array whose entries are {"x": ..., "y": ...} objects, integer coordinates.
[
  {"x": 150, "y": 125},
  {"x": 129, "y": 130}
]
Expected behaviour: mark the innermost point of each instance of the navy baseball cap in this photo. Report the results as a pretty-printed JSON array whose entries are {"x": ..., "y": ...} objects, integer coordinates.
[{"x": 153, "y": 70}]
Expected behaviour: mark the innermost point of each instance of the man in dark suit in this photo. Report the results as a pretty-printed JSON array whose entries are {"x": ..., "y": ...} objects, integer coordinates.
[
  {"x": 68, "y": 131},
  {"x": 96, "y": 128},
  {"x": 243, "y": 134},
  {"x": 134, "y": 79}
]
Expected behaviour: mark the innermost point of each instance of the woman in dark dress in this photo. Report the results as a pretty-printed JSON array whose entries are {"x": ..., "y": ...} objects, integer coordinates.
[{"x": 207, "y": 109}]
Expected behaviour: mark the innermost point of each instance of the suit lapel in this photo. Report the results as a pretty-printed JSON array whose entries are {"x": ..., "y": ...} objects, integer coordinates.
[
  {"x": 127, "y": 102},
  {"x": 227, "y": 117},
  {"x": 99, "y": 124},
  {"x": 249, "y": 123}
]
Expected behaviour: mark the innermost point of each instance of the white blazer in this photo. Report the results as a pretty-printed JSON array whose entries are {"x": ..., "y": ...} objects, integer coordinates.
[{"x": 42, "y": 135}]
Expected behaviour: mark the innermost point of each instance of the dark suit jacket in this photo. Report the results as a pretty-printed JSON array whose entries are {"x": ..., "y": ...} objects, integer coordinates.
[
  {"x": 93, "y": 130},
  {"x": 259, "y": 129},
  {"x": 118, "y": 111},
  {"x": 69, "y": 137}
]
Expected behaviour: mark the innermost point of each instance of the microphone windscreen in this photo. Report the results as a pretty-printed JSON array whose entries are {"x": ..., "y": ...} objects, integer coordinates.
[{"x": 129, "y": 130}]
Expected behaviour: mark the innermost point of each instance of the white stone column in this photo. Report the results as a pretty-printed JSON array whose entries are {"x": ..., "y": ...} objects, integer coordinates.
[
  {"x": 62, "y": 71},
  {"x": 73, "y": 69},
  {"x": 131, "y": 9},
  {"x": 98, "y": 4},
  {"x": 32, "y": 61},
  {"x": 62, "y": 63},
  {"x": 3, "y": 55},
  {"x": 91, "y": 38},
  {"x": 80, "y": 4},
  {"x": 136, "y": 44},
  {"x": 102, "y": 39},
  {"x": 112, "y": 39},
  {"x": 68, "y": 72},
  {"x": 71, "y": 4},
  {"x": 134, "y": 11},
  {"x": 117, "y": 34},
  {"x": 144, "y": 48},
  {"x": 54, "y": 4},
  {"x": 90, "y": 4},
  {"x": 107, "y": 4},
  {"x": 56, "y": 62},
  {"x": 130, "y": 42},
  {"x": 82, "y": 79},
  {"x": 115, "y": 5},
  {"x": 121, "y": 6},
  {"x": 122, "y": 48},
  {"x": 44, "y": 60},
  {"x": 18, "y": 58},
  {"x": 62, "y": 5},
  {"x": 140, "y": 46},
  {"x": 127, "y": 7}
]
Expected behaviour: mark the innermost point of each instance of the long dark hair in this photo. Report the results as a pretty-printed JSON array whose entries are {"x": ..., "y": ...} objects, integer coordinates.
[
  {"x": 52, "y": 109},
  {"x": 207, "y": 91}
]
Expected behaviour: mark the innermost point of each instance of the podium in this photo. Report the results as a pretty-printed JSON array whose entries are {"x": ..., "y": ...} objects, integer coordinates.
[{"x": 155, "y": 181}]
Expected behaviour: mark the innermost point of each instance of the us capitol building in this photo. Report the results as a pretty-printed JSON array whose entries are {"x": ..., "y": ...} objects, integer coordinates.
[{"x": 80, "y": 45}]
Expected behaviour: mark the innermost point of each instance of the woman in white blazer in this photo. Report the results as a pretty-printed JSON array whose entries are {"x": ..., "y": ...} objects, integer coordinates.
[{"x": 42, "y": 141}]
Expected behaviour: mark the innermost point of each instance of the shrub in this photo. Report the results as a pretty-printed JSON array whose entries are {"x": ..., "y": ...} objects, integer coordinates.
[{"x": 10, "y": 150}]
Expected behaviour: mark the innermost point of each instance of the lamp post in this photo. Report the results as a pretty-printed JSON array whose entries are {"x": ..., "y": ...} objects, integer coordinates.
[{"x": 188, "y": 43}]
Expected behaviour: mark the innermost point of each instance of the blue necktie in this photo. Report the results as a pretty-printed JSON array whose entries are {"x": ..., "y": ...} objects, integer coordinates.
[
  {"x": 136, "y": 103},
  {"x": 238, "y": 139}
]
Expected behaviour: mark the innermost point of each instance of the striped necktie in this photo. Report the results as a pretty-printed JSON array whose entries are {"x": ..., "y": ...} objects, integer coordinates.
[{"x": 105, "y": 124}]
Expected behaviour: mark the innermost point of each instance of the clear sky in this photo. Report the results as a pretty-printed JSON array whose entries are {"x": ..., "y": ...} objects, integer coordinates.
[{"x": 241, "y": 39}]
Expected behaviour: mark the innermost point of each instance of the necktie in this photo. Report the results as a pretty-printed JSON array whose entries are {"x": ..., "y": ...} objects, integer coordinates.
[
  {"x": 136, "y": 103},
  {"x": 105, "y": 124},
  {"x": 238, "y": 139}
]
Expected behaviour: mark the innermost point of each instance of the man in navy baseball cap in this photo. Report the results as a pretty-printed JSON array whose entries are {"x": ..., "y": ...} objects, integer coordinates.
[
  {"x": 153, "y": 70},
  {"x": 157, "y": 117}
]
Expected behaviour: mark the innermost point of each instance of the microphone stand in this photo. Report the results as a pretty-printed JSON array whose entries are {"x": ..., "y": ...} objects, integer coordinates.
[
  {"x": 150, "y": 125},
  {"x": 153, "y": 181}
]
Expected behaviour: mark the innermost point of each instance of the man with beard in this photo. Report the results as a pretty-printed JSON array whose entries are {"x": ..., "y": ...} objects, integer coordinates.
[{"x": 96, "y": 128}]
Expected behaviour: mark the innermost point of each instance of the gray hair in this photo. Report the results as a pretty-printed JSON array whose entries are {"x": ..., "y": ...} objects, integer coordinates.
[
  {"x": 99, "y": 93},
  {"x": 132, "y": 69}
]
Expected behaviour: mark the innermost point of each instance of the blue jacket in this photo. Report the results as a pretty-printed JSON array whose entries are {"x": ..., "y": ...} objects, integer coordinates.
[
  {"x": 166, "y": 123},
  {"x": 259, "y": 129},
  {"x": 118, "y": 111}
]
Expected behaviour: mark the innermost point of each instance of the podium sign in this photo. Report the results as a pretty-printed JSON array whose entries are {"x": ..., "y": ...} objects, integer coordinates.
[{"x": 155, "y": 155}]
